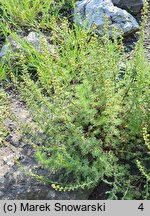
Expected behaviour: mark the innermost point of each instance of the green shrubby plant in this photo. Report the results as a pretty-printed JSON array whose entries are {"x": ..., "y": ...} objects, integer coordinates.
[{"x": 84, "y": 113}]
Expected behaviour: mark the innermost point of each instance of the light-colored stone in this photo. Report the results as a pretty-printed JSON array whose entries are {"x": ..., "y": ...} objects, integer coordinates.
[
  {"x": 34, "y": 39},
  {"x": 2, "y": 180},
  {"x": 11, "y": 45},
  {"x": 10, "y": 163},
  {"x": 1, "y": 194},
  {"x": 89, "y": 12}
]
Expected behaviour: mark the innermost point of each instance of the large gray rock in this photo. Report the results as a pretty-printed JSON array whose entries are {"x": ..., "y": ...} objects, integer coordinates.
[
  {"x": 89, "y": 12},
  {"x": 134, "y": 6}
]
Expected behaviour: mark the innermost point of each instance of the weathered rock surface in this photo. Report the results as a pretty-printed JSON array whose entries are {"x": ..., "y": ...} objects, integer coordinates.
[
  {"x": 134, "y": 6},
  {"x": 33, "y": 38},
  {"x": 89, "y": 12},
  {"x": 14, "y": 183}
]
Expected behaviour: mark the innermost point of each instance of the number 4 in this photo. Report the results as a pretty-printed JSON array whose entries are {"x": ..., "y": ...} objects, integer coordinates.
[{"x": 141, "y": 207}]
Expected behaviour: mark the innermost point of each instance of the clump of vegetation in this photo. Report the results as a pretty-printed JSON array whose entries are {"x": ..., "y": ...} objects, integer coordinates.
[
  {"x": 89, "y": 114},
  {"x": 36, "y": 13},
  {"x": 3, "y": 115}
]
